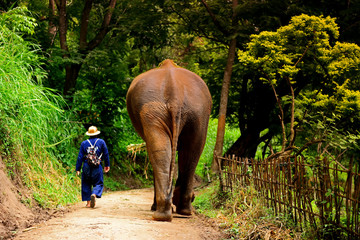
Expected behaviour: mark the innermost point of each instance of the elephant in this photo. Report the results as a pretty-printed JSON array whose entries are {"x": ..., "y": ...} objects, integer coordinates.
[{"x": 170, "y": 107}]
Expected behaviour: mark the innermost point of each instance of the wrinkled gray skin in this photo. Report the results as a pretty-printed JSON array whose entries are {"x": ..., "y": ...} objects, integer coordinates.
[{"x": 170, "y": 107}]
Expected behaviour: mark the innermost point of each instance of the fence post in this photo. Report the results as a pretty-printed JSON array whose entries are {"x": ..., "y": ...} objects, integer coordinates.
[{"x": 356, "y": 197}]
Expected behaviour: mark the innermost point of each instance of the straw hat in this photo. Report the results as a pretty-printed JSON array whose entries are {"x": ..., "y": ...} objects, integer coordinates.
[{"x": 92, "y": 131}]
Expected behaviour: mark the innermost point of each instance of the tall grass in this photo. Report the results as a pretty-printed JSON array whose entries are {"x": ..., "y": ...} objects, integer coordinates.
[
  {"x": 32, "y": 122},
  {"x": 231, "y": 135}
]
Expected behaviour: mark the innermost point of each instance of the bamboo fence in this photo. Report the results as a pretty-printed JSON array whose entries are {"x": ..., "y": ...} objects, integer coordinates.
[{"x": 319, "y": 195}]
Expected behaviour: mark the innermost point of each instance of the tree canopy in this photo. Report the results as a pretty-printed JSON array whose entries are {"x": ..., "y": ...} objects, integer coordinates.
[
  {"x": 304, "y": 62},
  {"x": 293, "y": 59}
]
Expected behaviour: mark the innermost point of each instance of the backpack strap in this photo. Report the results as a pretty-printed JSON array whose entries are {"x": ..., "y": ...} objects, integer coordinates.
[
  {"x": 94, "y": 145},
  {"x": 91, "y": 144}
]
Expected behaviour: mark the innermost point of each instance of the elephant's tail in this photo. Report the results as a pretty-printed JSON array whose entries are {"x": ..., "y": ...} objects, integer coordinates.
[{"x": 174, "y": 142}]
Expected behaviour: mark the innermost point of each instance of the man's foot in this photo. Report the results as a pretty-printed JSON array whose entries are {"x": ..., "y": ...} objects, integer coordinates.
[
  {"x": 88, "y": 204},
  {"x": 92, "y": 201}
]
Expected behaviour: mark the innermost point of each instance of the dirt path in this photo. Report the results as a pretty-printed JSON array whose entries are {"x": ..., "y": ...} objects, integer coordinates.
[{"x": 120, "y": 215}]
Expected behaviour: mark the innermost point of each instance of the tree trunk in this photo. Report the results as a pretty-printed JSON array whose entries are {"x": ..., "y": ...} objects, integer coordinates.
[
  {"x": 72, "y": 73},
  {"x": 223, "y": 105},
  {"x": 245, "y": 145},
  {"x": 84, "y": 25},
  {"x": 225, "y": 87},
  {"x": 72, "y": 70},
  {"x": 52, "y": 29},
  {"x": 63, "y": 28}
]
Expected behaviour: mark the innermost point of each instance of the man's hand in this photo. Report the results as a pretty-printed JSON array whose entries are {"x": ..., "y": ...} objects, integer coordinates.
[
  {"x": 77, "y": 173},
  {"x": 106, "y": 169}
]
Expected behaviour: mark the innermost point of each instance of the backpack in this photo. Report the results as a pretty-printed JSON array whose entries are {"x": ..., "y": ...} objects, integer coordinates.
[{"x": 92, "y": 158}]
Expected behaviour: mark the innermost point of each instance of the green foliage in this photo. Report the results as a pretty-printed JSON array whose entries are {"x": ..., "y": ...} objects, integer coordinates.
[
  {"x": 126, "y": 163},
  {"x": 231, "y": 134},
  {"x": 334, "y": 111},
  {"x": 206, "y": 201},
  {"x": 19, "y": 21},
  {"x": 323, "y": 73},
  {"x": 114, "y": 184},
  {"x": 277, "y": 54},
  {"x": 32, "y": 120}
]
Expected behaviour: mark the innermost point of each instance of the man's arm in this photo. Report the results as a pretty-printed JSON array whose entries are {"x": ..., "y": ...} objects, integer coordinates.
[
  {"x": 79, "y": 160},
  {"x": 106, "y": 158}
]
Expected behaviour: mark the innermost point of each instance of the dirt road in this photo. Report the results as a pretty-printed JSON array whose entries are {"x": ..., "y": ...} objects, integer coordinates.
[{"x": 120, "y": 215}]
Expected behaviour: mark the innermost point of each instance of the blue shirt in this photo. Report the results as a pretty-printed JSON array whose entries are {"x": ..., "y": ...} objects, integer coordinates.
[{"x": 100, "y": 149}]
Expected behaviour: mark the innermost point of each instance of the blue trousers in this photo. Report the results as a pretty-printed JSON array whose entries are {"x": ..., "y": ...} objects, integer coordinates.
[{"x": 92, "y": 182}]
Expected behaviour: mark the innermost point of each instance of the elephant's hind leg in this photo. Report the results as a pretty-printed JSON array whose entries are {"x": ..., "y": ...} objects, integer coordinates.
[
  {"x": 191, "y": 145},
  {"x": 183, "y": 193},
  {"x": 183, "y": 205},
  {"x": 159, "y": 150}
]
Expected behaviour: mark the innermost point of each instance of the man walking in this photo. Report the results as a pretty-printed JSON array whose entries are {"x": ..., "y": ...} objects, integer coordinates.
[{"x": 92, "y": 180}]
